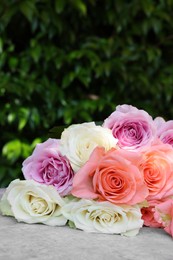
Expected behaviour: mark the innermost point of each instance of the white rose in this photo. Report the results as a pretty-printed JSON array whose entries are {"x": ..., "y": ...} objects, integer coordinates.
[
  {"x": 79, "y": 140},
  {"x": 103, "y": 217},
  {"x": 31, "y": 202}
]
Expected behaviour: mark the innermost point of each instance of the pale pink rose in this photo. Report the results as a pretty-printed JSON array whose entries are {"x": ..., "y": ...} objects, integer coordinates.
[
  {"x": 159, "y": 121},
  {"x": 148, "y": 214},
  {"x": 111, "y": 176},
  {"x": 47, "y": 165},
  {"x": 134, "y": 128},
  {"x": 157, "y": 168},
  {"x": 164, "y": 130},
  {"x": 164, "y": 215}
]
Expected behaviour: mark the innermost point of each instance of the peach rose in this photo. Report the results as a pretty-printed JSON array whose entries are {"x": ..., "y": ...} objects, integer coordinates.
[
  {"x": 157, "y": 168},
  {"x": 111, "y": 176},
  {"x": 164, "y": 215},
  {"x": 148, "y": 214}
]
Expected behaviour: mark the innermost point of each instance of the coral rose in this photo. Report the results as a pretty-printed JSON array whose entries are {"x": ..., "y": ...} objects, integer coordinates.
[
  {"x": 148, "y": 214},
  {"x": 164, "y": 215},
  {"x": 111, "y": 176},
  {"x": 157, "y": 168}
]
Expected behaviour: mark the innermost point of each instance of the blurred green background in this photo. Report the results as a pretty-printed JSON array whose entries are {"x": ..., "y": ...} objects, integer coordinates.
[{"x": 70, "y": 61}]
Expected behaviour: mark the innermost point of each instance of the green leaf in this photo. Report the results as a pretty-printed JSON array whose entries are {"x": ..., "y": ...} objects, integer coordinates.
[
  {"x": 12, "y": 150},
  {"x": 56, "y": 131},
  {"x": 13, "y": 62},
  {"x": 1, "y": 45},
  {"x": 27, "y": 7},
  {"x": 59, "y": 5},
  {"x": 36, "y": 53},
  {"x": 25, "y": 150},
  {"x": 148, "y": 7},
  {"x": 157, "y": 25},
  {"x": 35, "y": 142},
  {"x": 23, "y": 117},
  {"x": 67, "y": 80},
  {"x": 11, "y": 117},
  {"x": 79, "y": 4},
  {"x": 71, "y": 224}
]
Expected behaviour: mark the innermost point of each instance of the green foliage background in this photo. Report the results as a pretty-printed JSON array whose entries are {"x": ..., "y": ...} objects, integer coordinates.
[{"x": 70, "y": 61}]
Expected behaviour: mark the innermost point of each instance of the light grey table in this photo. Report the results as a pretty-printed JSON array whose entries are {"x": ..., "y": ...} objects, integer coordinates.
[{"x": 23, "y": 241}]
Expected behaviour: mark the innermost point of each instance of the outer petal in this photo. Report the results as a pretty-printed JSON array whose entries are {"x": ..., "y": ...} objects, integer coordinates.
[{"x": 82, "y": 182}]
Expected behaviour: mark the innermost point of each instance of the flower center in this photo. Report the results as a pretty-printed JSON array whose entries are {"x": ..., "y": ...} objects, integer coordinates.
[{"x": 38, "y": 205}]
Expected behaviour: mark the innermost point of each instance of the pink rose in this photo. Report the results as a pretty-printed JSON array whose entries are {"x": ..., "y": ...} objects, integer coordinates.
[
  {"x": 111, "y": 176},
  {"x": 164, "y": 215},
  {"x": 157, "y": 168},
  {"x": 164, "y": 130},
  {"x": 148, "y": 214},
  {"x": 134, "y": 128},
  {"x": 47, "y": 165}
]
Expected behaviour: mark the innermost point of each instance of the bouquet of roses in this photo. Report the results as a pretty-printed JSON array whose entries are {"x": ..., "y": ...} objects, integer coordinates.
[{"x": 113, "y": 178}]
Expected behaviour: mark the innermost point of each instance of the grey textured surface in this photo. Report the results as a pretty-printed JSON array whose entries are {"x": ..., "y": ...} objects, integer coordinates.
[{"x": 23, "y": 241}]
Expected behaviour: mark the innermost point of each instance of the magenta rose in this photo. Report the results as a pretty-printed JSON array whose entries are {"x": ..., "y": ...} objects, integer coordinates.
[
  {"x": 47, "y": 165},
  {"x": 134, "y": 128},
  {"x": 164, "y": 130}
]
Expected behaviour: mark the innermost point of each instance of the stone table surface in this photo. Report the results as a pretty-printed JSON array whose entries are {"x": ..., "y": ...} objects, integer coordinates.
[{"x": 24, "y": 241}]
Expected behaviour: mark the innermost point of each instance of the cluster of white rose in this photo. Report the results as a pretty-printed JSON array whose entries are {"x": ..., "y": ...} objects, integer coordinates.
[{"x": 31, "y": 202}]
